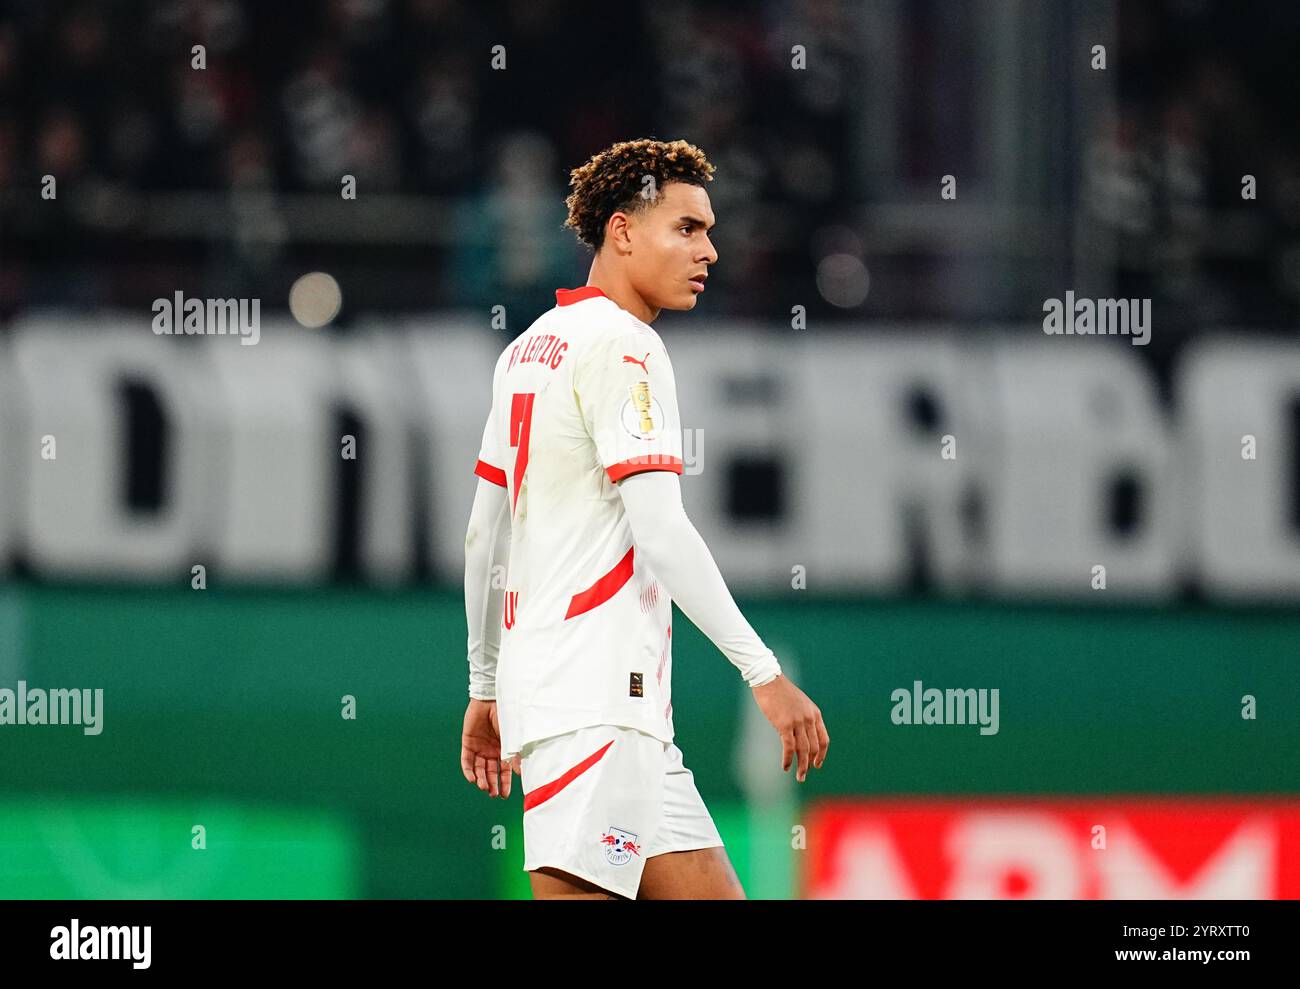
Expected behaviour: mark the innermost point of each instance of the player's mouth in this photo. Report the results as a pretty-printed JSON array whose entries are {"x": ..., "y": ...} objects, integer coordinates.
[{"x": 698, "y": 282}]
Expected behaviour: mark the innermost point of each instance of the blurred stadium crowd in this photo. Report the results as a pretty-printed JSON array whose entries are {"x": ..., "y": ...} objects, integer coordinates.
[
  {"x": 226, "y": 180},
  {"x": 1206, "y": 95}
]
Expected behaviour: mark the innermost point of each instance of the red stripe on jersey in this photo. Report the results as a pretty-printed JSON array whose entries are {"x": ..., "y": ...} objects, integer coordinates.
[
  {"x": 547, "y": 790},
  {"x": 604, "y": 589},
  {"x": 568, "y": 296},
  {"x": 655, "y": 461},
  {"x": 489, "y": 473}
]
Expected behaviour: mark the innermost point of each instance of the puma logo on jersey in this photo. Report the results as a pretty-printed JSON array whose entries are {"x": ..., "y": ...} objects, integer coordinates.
[{"x": 629, "y": 359}]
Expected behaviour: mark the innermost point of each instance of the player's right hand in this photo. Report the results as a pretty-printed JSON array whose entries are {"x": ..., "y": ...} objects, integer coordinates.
[
  {"x": 480, "y": 750},
  {"x": 799, "y": 723}
]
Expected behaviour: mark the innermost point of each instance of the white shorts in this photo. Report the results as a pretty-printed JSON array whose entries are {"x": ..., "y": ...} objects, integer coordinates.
[{"x": 601, "y": 800}]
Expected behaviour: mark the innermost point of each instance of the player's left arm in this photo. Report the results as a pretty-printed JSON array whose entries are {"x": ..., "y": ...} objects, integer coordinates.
[{"x": 487, "y": 547}]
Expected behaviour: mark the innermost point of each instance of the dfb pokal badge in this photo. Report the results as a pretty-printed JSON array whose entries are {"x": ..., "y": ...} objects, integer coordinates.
[{"x": 642, "y": 415}]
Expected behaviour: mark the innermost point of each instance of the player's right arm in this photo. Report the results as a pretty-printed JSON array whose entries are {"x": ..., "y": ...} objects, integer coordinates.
[
  {"x": 681, "y": 561},
  {"x": 627, "y": 393}
]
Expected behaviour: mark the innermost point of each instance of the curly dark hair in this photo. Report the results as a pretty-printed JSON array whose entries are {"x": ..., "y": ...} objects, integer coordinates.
[{"x": 613, "y": 180}]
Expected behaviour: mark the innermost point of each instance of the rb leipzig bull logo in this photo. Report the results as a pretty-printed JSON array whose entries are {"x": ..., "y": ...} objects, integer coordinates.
[{"x": 620, "y": 846}]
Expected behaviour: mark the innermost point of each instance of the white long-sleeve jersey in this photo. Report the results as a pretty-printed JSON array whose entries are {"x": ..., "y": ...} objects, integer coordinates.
[{"x": 582, "y": 400}]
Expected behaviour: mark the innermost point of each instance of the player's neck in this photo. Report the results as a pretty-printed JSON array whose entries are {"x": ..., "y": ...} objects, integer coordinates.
[{"x": 615, "y": 284}]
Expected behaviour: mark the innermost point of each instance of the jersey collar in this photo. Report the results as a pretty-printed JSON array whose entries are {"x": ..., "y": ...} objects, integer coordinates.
[{"x": 568, "y": 296}]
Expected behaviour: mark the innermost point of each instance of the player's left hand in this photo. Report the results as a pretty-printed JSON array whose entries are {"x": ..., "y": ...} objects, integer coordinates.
[{"x": 480, "y": 750}]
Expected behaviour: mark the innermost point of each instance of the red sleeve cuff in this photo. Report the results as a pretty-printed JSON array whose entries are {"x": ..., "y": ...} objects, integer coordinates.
[
  {"x": 489, "y": 473},
  {"x": 655, "y": 461}
]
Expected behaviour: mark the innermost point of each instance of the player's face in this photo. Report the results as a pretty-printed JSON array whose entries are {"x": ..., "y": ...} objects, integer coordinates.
[{"x": 671, "y": 251}]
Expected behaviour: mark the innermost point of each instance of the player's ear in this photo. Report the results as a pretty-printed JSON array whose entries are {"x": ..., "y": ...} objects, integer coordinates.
[{"x": 617, "y": 232}]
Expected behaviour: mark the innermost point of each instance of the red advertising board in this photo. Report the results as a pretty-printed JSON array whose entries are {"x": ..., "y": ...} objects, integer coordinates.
[{"x": 1112, "y": 848}]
